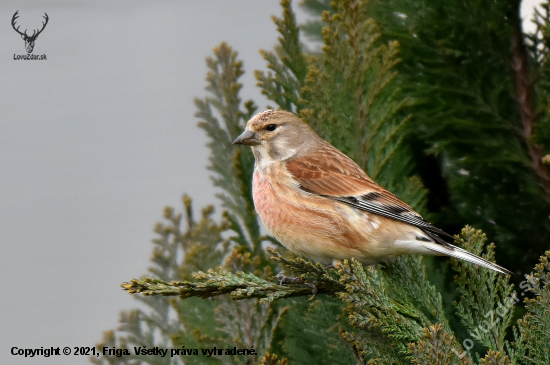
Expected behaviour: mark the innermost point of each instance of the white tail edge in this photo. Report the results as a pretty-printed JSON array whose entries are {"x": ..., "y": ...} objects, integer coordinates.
[{"x": 462, "y": 254}]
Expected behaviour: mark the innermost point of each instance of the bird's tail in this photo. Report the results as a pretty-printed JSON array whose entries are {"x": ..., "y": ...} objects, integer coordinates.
[{"x": 462, "y": 254}]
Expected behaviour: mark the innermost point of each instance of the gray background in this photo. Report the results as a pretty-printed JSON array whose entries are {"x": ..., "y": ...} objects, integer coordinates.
[{"x": 94, "y": 142}]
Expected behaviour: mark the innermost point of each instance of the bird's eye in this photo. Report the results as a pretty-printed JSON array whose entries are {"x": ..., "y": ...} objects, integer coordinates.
[{"x": 271, "y": 127}]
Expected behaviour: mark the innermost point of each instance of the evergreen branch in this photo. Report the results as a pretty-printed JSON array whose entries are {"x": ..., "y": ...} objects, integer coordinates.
[
  {"x": 375, "y": 314},
  {"x": 284, "y": 84},
  {"x": 233, "y": 166},
  {"x": 243, "y": 165},
  {"x": 407, "y": 277},
  {"x": 534, "y": 340},
  {"x": 434, "y": 348},
  {"x": 313, "y": 28},
  {"x": 341, "y": 282},
  {"x": 486, "y": 305},
  {"x": 373, "y": 345},
  {"x": 315, "y": 273},
  {"x": 495, "y": 358},
  {"x": 279, "y": 86},
  {"x": 235, "y": 226},
  {"x": 241, "y": 285},
  {"x": 395, "y": 326},
  {"x": 349, "y": 283},
  {"x": 196, "y": 241},
  {"x": 293, "y": 57},
  {"x": 271, "y": 359},
  {"x": 517, "y": 349},
  {"x": 526, "y": 99},
  {"x": 467, "y": 112}
]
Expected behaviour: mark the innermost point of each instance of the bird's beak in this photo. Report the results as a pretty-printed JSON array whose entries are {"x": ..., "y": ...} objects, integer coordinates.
[{"x": 248, "y": 138}]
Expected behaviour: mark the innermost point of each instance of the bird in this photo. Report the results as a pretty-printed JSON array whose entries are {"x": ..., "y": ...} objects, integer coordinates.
[{"x": 318, "y": 203}]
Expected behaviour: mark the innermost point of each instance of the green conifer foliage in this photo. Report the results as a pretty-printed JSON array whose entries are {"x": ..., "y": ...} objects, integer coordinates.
[
  {"x": 392, "y": 83},
  {"x": 466, "y": 68}
]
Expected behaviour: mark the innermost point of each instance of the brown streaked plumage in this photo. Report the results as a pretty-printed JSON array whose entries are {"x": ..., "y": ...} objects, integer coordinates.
[{"x": 320, "y": 204}]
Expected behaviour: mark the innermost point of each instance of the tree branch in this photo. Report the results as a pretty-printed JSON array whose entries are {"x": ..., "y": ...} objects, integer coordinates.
[{"x": 314, "y": 279}]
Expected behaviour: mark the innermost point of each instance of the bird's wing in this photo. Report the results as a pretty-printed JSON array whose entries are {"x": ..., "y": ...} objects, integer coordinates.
[{"x": 330, "y": 173}]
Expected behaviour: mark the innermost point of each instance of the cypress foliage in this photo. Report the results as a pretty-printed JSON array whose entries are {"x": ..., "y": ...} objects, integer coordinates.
[
  {"x": 438, "y": 102},
  {"x": 466, "y": 66}
]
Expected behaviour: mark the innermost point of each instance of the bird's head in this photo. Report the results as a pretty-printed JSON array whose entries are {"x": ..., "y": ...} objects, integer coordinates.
[{"x": 277, "y": 135}]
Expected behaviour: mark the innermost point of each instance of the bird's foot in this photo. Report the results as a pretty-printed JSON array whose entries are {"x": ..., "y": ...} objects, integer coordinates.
[
  {"x": 289, "y": 279},
  {"x": 336, "y": 264},
  {"x": 297, "y": 280}
]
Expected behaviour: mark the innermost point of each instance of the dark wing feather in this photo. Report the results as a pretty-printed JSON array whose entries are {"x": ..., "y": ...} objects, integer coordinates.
[{"x": 330, "y": 173}]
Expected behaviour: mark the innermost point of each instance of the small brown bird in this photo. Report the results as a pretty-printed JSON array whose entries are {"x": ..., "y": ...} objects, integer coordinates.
[{"x": 321, "y": 205}]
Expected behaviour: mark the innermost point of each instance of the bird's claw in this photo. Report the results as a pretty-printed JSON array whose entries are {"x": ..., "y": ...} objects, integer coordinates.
[{"x": 314, "y": 290}]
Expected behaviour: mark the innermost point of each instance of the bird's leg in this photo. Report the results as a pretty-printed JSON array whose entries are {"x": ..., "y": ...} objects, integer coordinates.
[
  {"x": 288, "y": 279},
  {"x": 297, "y": 280},
  {"x": 335, "y": 264},
  {"x": 314, "y": 290}
]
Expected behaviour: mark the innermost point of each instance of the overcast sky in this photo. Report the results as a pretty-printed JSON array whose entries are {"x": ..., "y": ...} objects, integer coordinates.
[{"x": 94, "y": 142}]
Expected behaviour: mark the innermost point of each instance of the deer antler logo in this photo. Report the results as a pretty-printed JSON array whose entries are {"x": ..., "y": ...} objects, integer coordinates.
[{"x": 29, "y": 40}]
